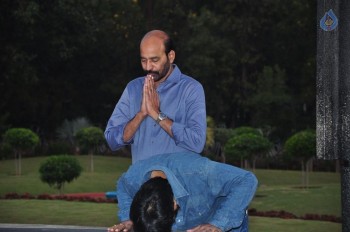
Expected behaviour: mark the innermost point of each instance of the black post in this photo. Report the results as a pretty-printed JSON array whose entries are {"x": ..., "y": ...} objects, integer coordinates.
[{"x": 333, "y": 91}]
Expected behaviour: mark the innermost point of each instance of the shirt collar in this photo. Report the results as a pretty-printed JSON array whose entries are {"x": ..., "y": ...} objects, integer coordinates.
[
  {"x": 174, "y": 76},
  {"x": 178, "y": 189}
]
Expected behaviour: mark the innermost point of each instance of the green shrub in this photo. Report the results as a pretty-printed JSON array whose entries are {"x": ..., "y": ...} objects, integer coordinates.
[
  {"x": 222, "y": 135},
  {"x": 245, "y": 130},
  {"x": 90, "y": 137},
  {"x": 301, "y": 145},
  {"x": 21, "y": 140},
  {"x": 247, "y": 146},
  {"x": 57, "y": 170}
]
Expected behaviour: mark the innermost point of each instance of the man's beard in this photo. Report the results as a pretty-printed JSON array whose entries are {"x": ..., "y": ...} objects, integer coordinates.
[{"x": 157, "y": 76}]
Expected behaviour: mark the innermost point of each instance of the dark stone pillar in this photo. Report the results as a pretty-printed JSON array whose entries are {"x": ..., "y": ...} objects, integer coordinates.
[{"x": 333, "y": 91}]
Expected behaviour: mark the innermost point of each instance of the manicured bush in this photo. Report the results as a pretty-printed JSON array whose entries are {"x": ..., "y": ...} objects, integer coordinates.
[
  {"x": 21, "y": 140},
  {"x": 90, "y": 138},
  {"x": 247, "y": 146},
  {"x": 302, "y": 146},
  {"x": 245, "y": 130},
  {"x": 58, "y": 170}
]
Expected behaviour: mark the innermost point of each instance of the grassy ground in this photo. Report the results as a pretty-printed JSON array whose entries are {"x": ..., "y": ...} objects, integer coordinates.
[
  {"x": 107, "y": 170},
  {"x": 278, "y": 190},
  {"x": 103, "y": 214},
  {"x": 281, "y": 190}
]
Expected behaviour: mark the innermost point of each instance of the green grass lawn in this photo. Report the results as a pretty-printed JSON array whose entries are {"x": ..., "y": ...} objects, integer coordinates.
[
  {"x": 278, "y": 190},
  {"x": 107, "y": 171},
  {"x": 104, "y": 215}
]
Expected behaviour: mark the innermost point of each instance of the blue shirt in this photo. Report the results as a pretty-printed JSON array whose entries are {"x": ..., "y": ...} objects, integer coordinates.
[
  {"x": 181, "y": 99},
  {"x": 206, "y": 191}
]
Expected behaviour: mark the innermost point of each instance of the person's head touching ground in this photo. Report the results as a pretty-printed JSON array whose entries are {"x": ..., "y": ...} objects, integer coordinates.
[
  {"x": 153, "y": 208},
  {"x": 184, "y": 192}
]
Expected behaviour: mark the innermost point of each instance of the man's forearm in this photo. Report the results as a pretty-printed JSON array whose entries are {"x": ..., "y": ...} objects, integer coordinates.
[
  {"x": 132, "y": 126},
  {"x": 166, "y": 125}
]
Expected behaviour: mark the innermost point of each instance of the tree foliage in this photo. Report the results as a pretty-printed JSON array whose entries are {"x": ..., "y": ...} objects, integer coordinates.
[
  {"x": 21, "y": 140},
  {"x": 302, "y": 146},
  {"x": 247, "y": 146},
  {"x": 58, "y": 170},
  {"x": 245, "y": 130},
  {"x": 90, "y": 138},
  {"x": 70, "y": 128},
  {"x": 66, "y": 59}
]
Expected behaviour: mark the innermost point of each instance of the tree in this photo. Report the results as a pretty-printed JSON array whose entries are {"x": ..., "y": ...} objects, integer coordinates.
[
  {"x": 90, "y": 138},
  {"x": 302, "y": 146},
  {"x": 245, "y": 130},
  {"x": 271, "y": 95},
  {"x": 65, "y": 59},
  {"x": 247, "y": 146},
  {"x": 57, "y": 170},
  {"x": 69, "y": 129},
  {"x": 210, "y": 140},
  {"x": 21, "y": 140}
]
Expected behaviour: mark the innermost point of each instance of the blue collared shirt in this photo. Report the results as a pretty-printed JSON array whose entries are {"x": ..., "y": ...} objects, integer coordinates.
[
  {"x": 206, "y": 191},
  {"x": 182, "y": 99}
]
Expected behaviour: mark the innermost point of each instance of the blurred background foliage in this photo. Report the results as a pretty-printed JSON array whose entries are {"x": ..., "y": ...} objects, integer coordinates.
[{"x": 63, "y": 60}]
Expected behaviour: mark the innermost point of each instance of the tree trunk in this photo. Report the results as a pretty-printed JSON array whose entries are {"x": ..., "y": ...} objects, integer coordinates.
[
  {"x": 302, "y": 173},
  {"x": 91, "y": 161},
  {"x": 16, "y": 163},
  {"x": 19, "y": 164},
  {"x": 254, "y": 161},
  {"x": 308, "y": 165}
]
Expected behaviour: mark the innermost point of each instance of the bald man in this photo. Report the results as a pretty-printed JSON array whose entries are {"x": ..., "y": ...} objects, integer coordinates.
[{"x": 161, "y": 112}]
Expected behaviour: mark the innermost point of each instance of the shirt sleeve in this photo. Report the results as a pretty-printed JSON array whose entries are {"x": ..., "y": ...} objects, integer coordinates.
[
  {"x": 236, "y": 188},
  {"x": 117, "y": 123},
  {"x": 192, "y": 134},
  {"x": 124, "y": 198}
]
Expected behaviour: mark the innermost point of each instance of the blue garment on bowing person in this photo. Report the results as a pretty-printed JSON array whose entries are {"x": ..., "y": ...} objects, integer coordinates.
[
  {"x": 182, "y": 99},
  {"x": 206, "y": 191}
]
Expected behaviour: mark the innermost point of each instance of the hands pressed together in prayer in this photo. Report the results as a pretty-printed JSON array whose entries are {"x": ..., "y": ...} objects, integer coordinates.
[{"x": 150, "y": 99}]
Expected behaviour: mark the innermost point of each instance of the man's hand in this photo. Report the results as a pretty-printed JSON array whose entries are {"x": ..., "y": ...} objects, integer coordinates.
[
  {"x": 205, "y": 228},
  {"x": 149, "y": 107},
  {"x": 150, "y": 99},
  {"x": 125, "y": 226}
]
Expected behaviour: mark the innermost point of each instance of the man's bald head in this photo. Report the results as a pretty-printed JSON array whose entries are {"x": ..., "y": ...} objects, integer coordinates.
[{"x": 159, "y": 36}]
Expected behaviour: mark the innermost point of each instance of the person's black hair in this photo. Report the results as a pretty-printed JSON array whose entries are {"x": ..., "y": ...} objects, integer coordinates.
[
  {"x": 152, "y": 209},
  {"x": 169, "y": 45}
]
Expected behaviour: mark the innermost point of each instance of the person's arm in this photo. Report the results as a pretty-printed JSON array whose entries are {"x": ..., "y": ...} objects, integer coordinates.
[
  {"x": 122, "y": 124},
  {"x": 235, "y": 188},
  {"x": 192, "y": 135},
  {"x": 124, "y": 202},
  {"x": 124, "y": 197}
]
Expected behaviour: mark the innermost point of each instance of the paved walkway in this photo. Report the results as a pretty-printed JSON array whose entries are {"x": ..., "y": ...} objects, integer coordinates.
[{"x": 48, "y": 228}]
